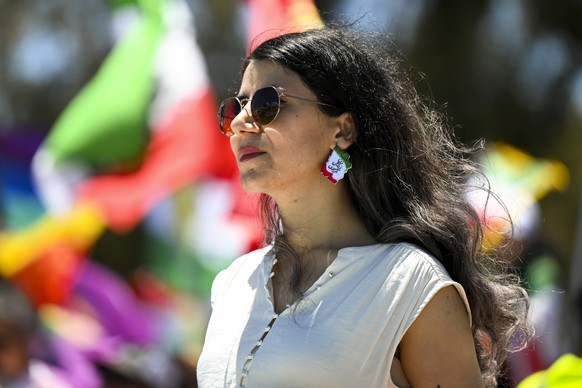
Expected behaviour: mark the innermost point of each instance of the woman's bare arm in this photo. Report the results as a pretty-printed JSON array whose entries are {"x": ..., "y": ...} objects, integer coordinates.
[{"x": 438, "y": 349}]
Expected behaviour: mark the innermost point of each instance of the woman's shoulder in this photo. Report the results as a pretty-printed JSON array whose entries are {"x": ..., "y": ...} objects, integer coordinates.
[
  {"x": 397, "y": 254},
  {"x": 248, "y": 261},
  {"x": 241, "y": 268},
  {"x": 412, "y": 255},
  {"x": 399, "y": 260},
  {"x": 427, "y": 273}
]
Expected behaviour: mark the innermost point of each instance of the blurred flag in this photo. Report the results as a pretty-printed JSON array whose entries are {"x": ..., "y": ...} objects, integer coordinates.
[
  {"x": 78, "y": 231},
  {"x": 185, "y": 145},
  {"x": 105, "y": 125},
  {"x": 182, "y": 150},
  {"x": 512, "y": 167},
  {"x": 50, "y": 277},
  {"x": 146, "y": 123},
  {"x": 270, "y": 18},
  {"x": 565, "y": 372},
  {"x": 519, "y": 180},
  {"x": 19, "y": 204}
]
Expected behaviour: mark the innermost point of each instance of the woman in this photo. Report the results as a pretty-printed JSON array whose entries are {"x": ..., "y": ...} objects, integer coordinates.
[{"x": 373, "y": 274}]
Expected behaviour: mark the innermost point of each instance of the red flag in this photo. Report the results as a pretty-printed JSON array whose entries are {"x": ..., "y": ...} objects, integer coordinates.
[
  {"x": 270, "y": 18},
  {"x": 186, "y": 147},
  {"x": 50, "y": 278}
]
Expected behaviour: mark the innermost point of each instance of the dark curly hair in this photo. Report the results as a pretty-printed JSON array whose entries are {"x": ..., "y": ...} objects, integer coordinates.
[{"x": 409, "y": 177}]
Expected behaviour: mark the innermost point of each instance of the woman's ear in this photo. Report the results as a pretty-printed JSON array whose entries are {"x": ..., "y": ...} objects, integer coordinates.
[{"x": 347, "y": 133}]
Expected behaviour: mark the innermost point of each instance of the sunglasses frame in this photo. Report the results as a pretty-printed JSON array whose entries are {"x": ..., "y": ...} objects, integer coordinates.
[{"x": 227, "y": 130}]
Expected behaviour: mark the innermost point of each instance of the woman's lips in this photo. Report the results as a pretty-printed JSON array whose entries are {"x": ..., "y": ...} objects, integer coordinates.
[{"x": 247, "y": 153}]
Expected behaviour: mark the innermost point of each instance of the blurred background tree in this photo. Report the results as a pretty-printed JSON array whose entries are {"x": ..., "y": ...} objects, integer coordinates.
[
  {"x": 511, "y": 71},
  {"x": 47, "y": 53}
]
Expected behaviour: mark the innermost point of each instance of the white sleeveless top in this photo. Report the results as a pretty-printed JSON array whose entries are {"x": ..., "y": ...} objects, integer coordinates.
[{"x": 344, "y": 333}]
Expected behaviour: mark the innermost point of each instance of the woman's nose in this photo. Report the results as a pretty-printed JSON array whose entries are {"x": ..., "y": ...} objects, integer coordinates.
[{"x": 244, "y": 122}]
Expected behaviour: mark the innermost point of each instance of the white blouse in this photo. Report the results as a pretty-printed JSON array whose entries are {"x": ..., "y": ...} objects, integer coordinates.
[{"x": 344, "y": 332}]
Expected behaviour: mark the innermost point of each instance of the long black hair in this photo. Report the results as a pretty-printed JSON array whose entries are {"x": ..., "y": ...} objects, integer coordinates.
[{"x": 409, "y": 177}]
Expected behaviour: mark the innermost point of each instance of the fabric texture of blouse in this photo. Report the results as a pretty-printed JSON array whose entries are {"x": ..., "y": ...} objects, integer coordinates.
[{"x": 343, "y": 333}]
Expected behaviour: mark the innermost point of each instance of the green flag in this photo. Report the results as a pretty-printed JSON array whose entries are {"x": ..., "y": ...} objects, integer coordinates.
[{"x": 105, "y": 125}]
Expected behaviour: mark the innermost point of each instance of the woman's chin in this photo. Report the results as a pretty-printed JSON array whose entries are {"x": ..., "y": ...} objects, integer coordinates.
[{"x": 254, "y": 182}]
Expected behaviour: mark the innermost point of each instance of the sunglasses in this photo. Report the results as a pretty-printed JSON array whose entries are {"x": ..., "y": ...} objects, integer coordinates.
[{"x": 265, "y": 106}]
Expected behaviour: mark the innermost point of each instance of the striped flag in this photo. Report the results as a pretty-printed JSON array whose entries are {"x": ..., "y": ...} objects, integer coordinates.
[{"x": 185, "y": 144}]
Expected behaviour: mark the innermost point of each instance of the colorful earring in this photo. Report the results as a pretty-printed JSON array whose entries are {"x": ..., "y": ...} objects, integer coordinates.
[{"x": 337, "y": 165}]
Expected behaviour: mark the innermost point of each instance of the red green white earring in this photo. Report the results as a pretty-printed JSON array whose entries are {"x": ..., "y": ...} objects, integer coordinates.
[{"x": 337, "y": 165}]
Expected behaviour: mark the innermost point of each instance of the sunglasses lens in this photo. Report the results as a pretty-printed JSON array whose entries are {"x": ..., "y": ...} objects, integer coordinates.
[
  {"x": 228, "y": 110},
  {"x": 265, "y": 105}
]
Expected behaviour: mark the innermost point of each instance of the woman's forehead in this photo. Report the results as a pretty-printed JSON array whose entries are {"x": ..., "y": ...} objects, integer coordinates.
[{"x": 261, "y": 73}]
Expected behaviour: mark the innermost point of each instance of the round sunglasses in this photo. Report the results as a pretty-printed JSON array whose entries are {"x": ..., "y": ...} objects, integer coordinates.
[{"x": 265, "y": 106}]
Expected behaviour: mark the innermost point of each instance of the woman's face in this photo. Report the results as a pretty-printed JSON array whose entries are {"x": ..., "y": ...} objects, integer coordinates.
[{"x": 282, "y": 158}]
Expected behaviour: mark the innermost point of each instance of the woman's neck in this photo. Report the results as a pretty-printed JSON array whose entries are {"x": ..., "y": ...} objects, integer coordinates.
[
  {"x": 326, "y": 220},
  {"x": 316, "y": 225}
]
